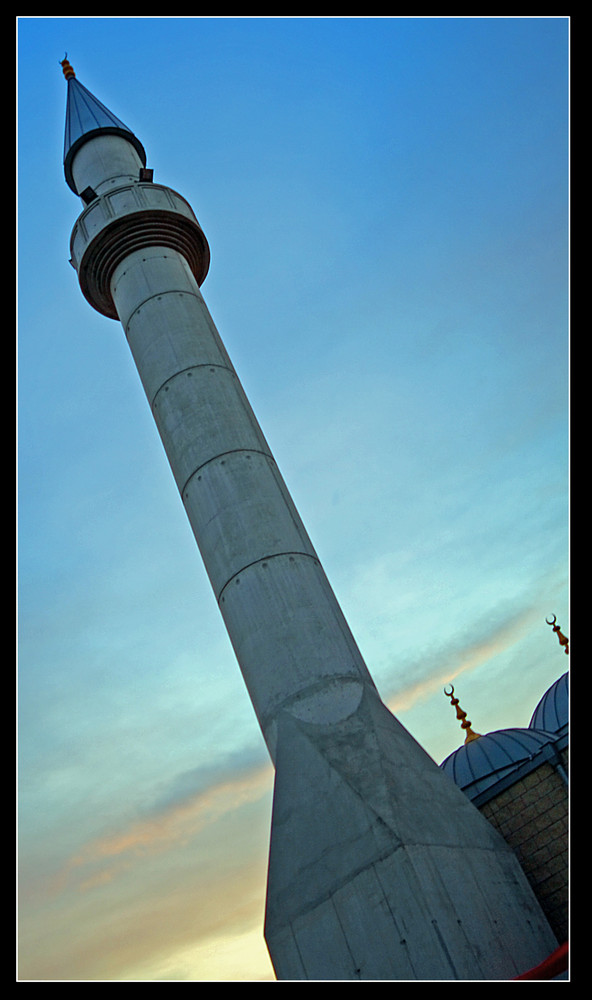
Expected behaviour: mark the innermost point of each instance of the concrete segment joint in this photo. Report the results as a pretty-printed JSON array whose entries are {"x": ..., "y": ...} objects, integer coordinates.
[
  {"x": 214, "y": 458},
  {"x": 263, "y": 560},
  {"x": 187, "y": 371},
  {"x": 157, "y": 295}
]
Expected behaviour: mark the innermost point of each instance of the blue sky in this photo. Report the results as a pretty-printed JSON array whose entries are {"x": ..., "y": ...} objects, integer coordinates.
[{"x": 386, "y": 202}]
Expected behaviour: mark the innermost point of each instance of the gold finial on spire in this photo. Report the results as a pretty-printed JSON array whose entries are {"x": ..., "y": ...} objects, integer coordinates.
[
  {"x": 66, "y": 67},
  {"x": 563, "y": 640},
  {"x": 465, "y": 723}
]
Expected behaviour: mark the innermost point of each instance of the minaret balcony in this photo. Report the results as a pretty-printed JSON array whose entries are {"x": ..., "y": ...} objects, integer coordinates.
[{"x": 128, "y": 218}]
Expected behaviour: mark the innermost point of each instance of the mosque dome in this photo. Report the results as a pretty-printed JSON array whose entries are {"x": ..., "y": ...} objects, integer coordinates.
[
  {"x": 552, "y": 711},
  {"x": 483, "y": 762},
  {"x": 486, "y": 760}
]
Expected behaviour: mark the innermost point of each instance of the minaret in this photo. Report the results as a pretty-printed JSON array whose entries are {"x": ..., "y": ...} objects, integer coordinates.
[{"x": 379, "y": 867}]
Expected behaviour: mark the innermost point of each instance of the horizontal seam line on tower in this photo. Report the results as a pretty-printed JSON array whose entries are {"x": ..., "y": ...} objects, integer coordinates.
[
  {"x": 168, "y": 291},
  {"x": 305, "y": 692},
  {"x": 190, "y": 368},
  {"x": 111, "y": 177},
  {"x": 268, "y": 558},
  {"x": 231, "y": 451}
]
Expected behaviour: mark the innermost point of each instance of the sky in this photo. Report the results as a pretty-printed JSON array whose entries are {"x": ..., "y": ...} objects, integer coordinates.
[{"x": 386, "y": 202}]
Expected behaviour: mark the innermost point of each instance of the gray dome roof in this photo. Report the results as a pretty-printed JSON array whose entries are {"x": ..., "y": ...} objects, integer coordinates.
[
  {"x": 552, "y": 711},
  {"x": 483, "y": 762}
]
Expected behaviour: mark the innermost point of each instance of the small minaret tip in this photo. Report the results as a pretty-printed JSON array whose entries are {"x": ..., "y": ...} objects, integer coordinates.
[
  {"x": 563, "y": 640},
  {"x": 67, "y": 68},
  {"x": 465, "y": 723}
]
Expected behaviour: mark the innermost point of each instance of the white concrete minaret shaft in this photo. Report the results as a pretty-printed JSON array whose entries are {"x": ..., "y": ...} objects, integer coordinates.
[{"x": 379, "y": 867}]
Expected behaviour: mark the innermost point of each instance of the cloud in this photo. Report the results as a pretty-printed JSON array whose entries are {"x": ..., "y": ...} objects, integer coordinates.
[
  {"x": 160, "y": 897},
  {"x": 102, "y": 859},
  {"x": 443, "y": 665}
]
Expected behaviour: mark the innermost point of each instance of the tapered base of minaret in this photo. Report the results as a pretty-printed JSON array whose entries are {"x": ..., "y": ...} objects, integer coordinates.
[{"x": 381, "y": 869}]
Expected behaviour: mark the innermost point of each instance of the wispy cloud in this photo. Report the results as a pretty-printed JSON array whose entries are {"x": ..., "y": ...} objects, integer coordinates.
[
  {"x": 184, "y": 811},
  {"x": 166, "y": 897},
  {"x": 444, "y": 665},
  {"x": 102, "y": 859}
]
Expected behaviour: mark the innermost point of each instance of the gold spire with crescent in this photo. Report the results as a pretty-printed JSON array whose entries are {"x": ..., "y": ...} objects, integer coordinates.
[
  {"x": 66, "y": 67},
  {"x": 465, "y": 723},
  {"x": 563, "y": 640}
]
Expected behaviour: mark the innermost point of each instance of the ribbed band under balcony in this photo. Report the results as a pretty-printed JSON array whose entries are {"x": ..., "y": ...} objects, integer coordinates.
[
  {"x": 133, "y": 217},
  {"x": 137, "y": 231}
]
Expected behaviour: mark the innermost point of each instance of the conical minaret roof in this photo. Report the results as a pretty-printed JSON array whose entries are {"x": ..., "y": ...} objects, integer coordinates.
[{"x": 86, "y": 117}]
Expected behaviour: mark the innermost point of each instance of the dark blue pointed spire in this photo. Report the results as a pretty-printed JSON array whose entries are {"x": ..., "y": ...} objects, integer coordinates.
[{"x": 86, "y": 117}]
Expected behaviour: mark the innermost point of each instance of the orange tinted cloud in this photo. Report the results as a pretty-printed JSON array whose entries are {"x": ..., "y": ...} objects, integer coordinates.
[
  {"x": 450, "y": 663},
  {"x": 101, "y": 859}
]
